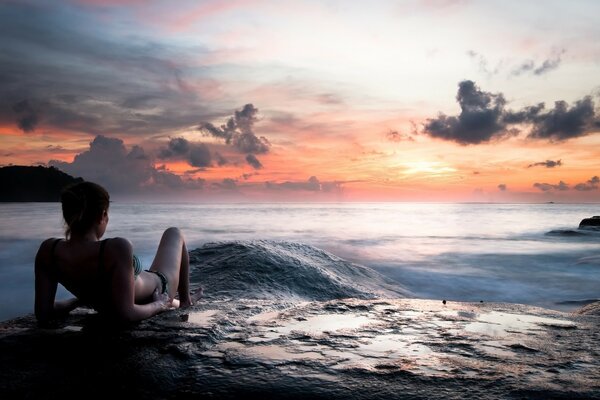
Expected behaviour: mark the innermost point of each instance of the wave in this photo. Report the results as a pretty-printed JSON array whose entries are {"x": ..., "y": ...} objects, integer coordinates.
[
  {"x": 578, "y": 303},
  {"x": 284, "y": 270},
  {"x": 580, "y": 232}
]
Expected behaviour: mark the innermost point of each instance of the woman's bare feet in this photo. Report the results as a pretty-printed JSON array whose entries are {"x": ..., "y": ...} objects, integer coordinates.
[{"x": 190, "y": 299}]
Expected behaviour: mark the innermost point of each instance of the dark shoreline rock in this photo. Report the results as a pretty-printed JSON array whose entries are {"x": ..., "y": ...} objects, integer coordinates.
[
  {"x": 339, "y": 349},
  {"x": 590, "y": 222}
]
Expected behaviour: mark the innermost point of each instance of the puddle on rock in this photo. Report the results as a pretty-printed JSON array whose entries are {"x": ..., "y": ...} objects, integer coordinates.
[
  {"x": 393, "y": 345},
  {"x": 497, "y": 323},
  {"x": 202, "y": 318},
  {"x": 325, "y": 323}
]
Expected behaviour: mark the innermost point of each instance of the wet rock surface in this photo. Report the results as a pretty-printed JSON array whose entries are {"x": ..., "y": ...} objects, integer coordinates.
[
  {"x": 289, "y": 321},
  {"x": 346, "y": 348}
]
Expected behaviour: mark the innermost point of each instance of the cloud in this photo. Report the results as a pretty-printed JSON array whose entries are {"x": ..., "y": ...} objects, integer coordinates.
[
  {"x": 482, "y": 63},
  {"x": 311, "y": 185},
  {"x": 546, "y": 66},
  {"x": 502, "y": 187},
  {"x": 483, "y": 118},
  {"x": 109, "y": 163},
  {"x": 196, "y": 154},
  {"x": 547, "y": 187},
  {"x": 62, "y": 67},
  {"x": 562, "y": 122},
  {"x": 253, "y": 161},
  {"x": 547, "y": 164},
  {"x": 220, "y": 159},
  {"x": 395, "y": 136},
  {"x": 238, "y": 131},
  {"x": 27, "y": 117},
  {"x": 226, "y": 184},
  {"x": 480, "y": 119},
  {"x": 199, "y": 156},
  {"x": 591, "y": 184}
]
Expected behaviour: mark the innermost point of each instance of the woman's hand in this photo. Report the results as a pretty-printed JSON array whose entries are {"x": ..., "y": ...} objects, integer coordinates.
[{"x": 163, "y": 300}]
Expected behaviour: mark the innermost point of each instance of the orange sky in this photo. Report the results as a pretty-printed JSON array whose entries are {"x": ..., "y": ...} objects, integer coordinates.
[{"x": 337, "y": 103}]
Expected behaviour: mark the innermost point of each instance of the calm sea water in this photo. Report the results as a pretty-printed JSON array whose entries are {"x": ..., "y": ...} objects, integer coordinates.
[{"x": 525, "y": 253}]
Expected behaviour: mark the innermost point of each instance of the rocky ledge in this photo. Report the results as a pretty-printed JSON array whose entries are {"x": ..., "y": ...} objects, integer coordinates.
[
  {"x": 270, "y": 346},
  {"x": 338, "y": 349}
]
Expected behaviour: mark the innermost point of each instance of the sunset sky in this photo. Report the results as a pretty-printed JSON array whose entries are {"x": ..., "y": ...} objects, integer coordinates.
[{"x": 250, "y": 100}]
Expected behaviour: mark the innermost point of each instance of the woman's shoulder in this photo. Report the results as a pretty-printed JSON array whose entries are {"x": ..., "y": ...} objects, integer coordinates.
[
  {"x": 46, "y": 245},
  {"x": 119, "y": 245}
]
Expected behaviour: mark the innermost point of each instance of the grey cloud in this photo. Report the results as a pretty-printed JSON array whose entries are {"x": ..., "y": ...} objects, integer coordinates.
[
  {"x": 524, "y": 67},
  {"x": 199, "y": 156},
  {"x": 109, "y": 163},
  {"x": 591, "y": 184},
  {"x": 395, "y": 136},
  {"x": 60, "y": 68},
  {"x": 483, "y": 118},
  {"x": 253, "y": 161},
  {"x": 563, "y": 123},
  {"x": 238, "y": 131},
  {"x": 27, "y": 117},
  {"x": 546, "y": 187},
  {"x": 220, "y": 159},
  {"x": 312, "y": 185},
  {"x": 179, "y": 145},
  {"x": 547, "y": 164},
  {"x": 483, "y": 64},
  {"x": 480, "y": 119},
  {"x": 176, "y": 147},
  {"x": 546, "y": 66},
  {"x": 196, "y": 154},
  {"x": 502, "y": 187},
  {"x": 226, "y": 184}
]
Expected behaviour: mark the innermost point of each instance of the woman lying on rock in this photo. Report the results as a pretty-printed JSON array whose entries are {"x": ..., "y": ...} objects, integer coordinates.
[{"x": 105, "y": 274}]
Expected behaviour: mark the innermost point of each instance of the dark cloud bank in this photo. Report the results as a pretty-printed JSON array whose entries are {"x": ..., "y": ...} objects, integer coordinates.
[
  {"x": 237, "y": 133},
  {"x": 109, "y": 163},
  {"x": 61, "y": 67},
  {"x": 484, "y": 118},
  {"x": 591, "y": 184}
]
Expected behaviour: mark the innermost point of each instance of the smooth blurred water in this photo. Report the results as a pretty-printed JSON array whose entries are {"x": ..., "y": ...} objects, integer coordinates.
[{"x": 489, "y": 252}]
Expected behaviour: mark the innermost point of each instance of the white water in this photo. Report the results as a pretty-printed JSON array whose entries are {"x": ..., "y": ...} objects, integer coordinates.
[{"x": 489, "y": 252}]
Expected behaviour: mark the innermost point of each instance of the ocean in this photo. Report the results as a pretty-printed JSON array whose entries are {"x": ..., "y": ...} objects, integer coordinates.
[{"x": 519, "y": 253}]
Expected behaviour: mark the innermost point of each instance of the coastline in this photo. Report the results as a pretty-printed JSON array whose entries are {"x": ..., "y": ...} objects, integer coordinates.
[{"x": 269, "y": 334}]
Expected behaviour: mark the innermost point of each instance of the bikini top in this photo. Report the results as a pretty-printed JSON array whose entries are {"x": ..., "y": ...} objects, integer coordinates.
[
  {"x": 89, "y": 298},
  {"x": 137, "y": 264},
  {"x": 92, "y": 295}
]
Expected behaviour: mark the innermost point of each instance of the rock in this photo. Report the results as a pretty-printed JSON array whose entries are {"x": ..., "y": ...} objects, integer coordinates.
[
  {"x": 337, "y": 349},
  {"x": 589, "y": 309},
  {"x": 590, "y": 222},
  {"x": 277, "y": 322}
]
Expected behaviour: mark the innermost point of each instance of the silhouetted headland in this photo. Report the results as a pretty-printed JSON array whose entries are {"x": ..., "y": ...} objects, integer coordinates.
[{"x": 40, "y": 184}]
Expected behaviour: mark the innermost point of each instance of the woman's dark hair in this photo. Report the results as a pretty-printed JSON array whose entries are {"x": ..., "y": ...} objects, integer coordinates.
[{"x": 82, "y": 206}]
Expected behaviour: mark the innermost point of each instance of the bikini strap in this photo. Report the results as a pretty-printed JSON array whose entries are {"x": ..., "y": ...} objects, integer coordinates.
[
  {"x": 101, "y": 255},
  {"x": 53, "y": 265}
]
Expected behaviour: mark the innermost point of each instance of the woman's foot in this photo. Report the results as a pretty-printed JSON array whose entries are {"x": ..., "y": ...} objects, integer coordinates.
[{"x": 190, "y": 299}]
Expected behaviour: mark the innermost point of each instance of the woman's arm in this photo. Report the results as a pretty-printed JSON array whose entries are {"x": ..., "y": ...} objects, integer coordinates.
[
  {"x": 45, "y": 285},
  {"x": 46, "y": 307},
  {"x": 120, "y": 259}
]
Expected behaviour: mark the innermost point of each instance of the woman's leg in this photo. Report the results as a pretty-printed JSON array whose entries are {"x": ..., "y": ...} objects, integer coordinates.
[
  {"x": 172, "y": 260},
  {"x": 184, "y": 278}
]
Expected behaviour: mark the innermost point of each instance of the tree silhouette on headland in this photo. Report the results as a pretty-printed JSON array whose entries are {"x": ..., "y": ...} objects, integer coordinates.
[{"x": 22, "y": 183}]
